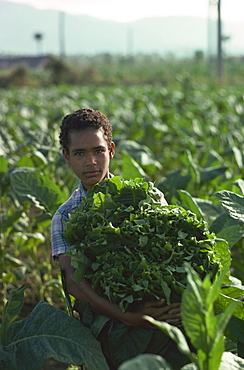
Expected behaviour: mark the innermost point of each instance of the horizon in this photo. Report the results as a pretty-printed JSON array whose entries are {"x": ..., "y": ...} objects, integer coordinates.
[{"x": 108, "y": 10}]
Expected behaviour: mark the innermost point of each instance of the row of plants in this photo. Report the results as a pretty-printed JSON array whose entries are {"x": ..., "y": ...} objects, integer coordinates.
[
  {"x": 189, "y": 139},
  {"x": 186, "y": 138},
  {"x": 107, "y": 69}
]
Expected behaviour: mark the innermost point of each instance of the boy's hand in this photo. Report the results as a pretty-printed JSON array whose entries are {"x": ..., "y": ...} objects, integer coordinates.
[
  {"x": 84, "y": 292},
  {"x": 158, "y": 310}
]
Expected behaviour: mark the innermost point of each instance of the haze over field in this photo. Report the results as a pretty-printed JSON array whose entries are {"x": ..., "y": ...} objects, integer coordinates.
[
  {"x": 92, "y": 30},
  {"x": 132, "y": 10}
]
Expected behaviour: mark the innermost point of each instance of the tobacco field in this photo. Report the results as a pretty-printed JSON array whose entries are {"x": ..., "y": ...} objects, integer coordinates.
[{"x": 188, "y": 139}]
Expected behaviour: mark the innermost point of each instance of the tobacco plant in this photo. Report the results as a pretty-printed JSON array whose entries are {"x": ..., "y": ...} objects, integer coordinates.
[{"x": 204, "y": 338}]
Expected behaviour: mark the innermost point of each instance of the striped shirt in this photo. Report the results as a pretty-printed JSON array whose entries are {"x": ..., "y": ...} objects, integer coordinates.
[{"x": 59, "y": 242}]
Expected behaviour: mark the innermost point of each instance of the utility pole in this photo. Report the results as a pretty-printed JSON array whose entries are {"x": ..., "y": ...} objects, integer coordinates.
[
  {"x": 220, "y": 56},
  {"x": 62, "y": 33},
  {"x": 130, "y": 42}
]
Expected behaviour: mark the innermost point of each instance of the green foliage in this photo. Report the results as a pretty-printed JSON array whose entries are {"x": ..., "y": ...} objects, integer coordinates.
[
  {"x": 146, "y": 362},
  {"x": 233, "y": 203},
  {"x": 107, "y": 69},
  {"x": 71, "y": 342},
  {"x": 184, "y": 134},
  {"x": 59, "y": 336},
  {"x": 62, "y": 72},
  {"x": 16, "y": 76},
  {"x": 198, "y": 312},
  {"x": 11, "y": 310},
  {"x": 130, "y": 168},
  {"x": 37, "y": 189},
  {"x": 203, "y": 327}
]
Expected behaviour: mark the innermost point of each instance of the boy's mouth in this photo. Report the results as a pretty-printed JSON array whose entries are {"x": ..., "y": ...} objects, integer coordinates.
[{"x": 91, "y": 173}]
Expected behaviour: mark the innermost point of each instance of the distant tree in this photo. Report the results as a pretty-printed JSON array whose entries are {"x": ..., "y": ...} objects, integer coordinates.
[
  {"x": 199, "y": 56},
  {"x": 38, "y": 37},
  {"x": 62, "y": 72}
]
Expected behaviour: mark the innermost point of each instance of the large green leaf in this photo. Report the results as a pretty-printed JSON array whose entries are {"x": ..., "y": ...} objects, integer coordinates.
[
  {"x": 191, "y": 366},
  {"x": 222, "y": 321},
  {"x": 202, "y": 326},
  {"x": 238, "y": 155},
  {"x": 240, "y": 184},
  {"x": 146, "y": 362},
  {"x": 50, "y": 333},
  {"x": 8, "y": 220},
  {"x": 223, "y": 253},
  {"x": 25, "y": 161},
  {"x": 229, "y": 361},
  {"x": 173, "y": 332},
  {"x": 140, "y": 153},
  {"x": 130, "y": 168},
  {"x": 211, "y": 173},
  {"x": 209, "y": 209},
  {"x": 225, "y": 221},
  {"x": 174, "y": 181},
  {"x": 236, "y": 327},
  {"x": 3, "y": 165},
  {"x": 223, "y": 301},
  {"x": 36, "y": 188},
  {"x": 240, "y": 349},
  {"x": 189, "y": 202},
  {"x": 231, "y": 234},
  {"x": 233, "y": 203}
]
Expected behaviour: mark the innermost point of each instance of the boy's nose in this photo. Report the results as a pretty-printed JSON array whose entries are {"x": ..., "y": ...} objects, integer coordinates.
[{"x": 90, "y": 158}]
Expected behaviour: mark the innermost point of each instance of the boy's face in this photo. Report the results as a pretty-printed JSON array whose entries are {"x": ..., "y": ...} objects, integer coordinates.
[{"x": 89, "y": 156}]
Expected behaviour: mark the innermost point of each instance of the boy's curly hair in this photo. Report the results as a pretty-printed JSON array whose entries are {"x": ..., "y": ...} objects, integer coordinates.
[{"x": 82, "y": 119}]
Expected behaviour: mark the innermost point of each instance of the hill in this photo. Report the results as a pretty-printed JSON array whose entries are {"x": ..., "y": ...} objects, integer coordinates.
[{"x": 86, "y": 35}]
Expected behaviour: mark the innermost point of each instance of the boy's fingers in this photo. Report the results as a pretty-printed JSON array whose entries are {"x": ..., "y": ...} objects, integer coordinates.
[
  {"x": 175, "y": 305},
  {"x": 155, "y": 303},
  {"x": 175, "y": 311}
]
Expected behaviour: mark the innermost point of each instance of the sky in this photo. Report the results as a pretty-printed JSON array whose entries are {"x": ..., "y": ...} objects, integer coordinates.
[{"x": 132, "y": 10}]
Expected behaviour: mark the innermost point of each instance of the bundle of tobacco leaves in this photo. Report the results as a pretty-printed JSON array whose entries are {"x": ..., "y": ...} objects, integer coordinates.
[{"x": 133, "y": 248}]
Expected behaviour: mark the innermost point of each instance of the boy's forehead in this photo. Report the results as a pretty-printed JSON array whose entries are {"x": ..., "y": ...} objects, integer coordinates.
[
  {"x": 87, "y": 137},
  {"x": 86, "y": 130}
]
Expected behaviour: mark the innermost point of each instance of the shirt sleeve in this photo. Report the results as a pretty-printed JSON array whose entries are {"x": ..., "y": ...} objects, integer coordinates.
[{"x": 59, "y": 242}]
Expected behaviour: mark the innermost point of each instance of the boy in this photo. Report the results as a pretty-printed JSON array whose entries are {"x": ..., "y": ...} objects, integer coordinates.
[{"x": 86, "y": 139}]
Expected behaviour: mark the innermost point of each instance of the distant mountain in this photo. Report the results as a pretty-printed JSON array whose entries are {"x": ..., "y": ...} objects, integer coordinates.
[{"x": 181, "y": 36}]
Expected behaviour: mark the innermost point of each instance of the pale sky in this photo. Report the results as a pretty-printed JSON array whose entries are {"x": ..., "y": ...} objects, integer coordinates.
[{"x": 131, "y": 10}]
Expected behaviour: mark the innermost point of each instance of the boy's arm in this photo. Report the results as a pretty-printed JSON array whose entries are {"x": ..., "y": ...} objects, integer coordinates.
[{"x": 84, "y": 292}]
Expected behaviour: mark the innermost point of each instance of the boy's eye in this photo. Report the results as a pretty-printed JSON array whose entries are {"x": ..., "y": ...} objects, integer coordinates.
[{"x": 97, "y": 151}]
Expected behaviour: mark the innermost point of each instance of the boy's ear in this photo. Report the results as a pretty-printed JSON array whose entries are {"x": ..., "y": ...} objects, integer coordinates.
[
  {"x": 65, "y": 155},
  {"x": 111, "y": 152}
]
